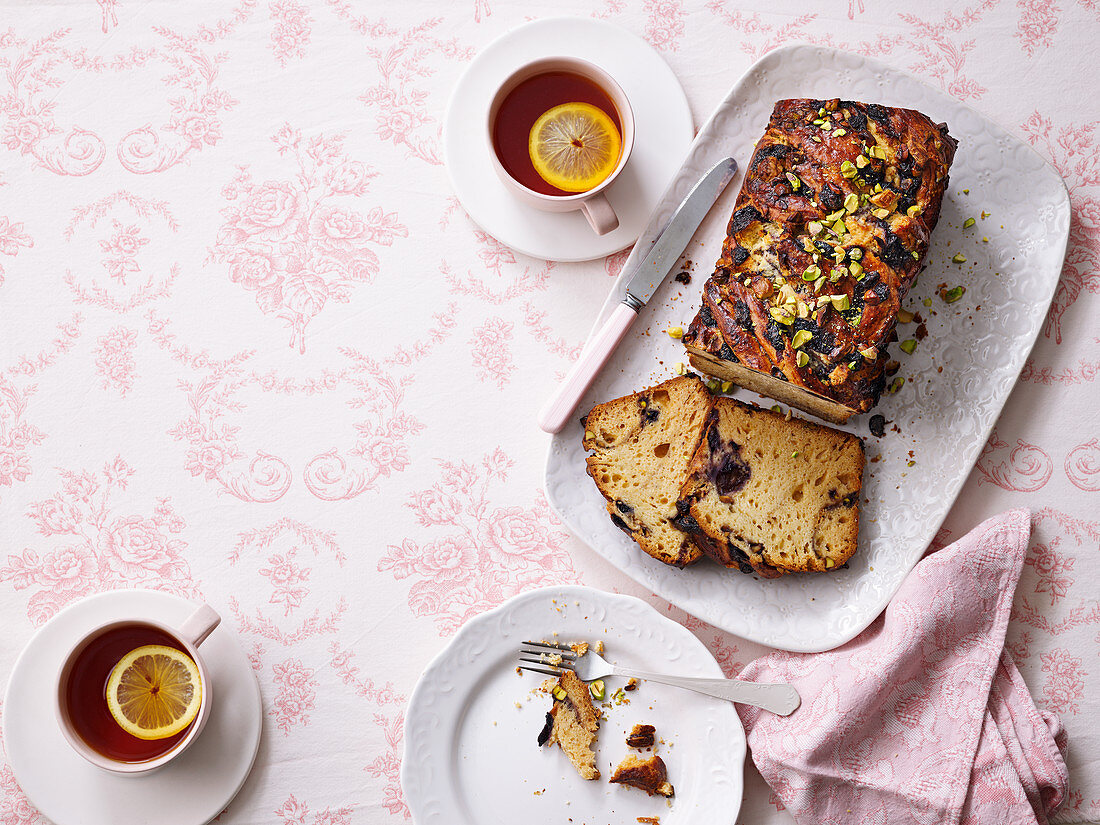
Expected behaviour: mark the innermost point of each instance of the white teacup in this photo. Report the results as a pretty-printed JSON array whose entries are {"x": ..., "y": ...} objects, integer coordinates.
[
  {"x": 188, "y": 636},
  {"x": 593, "y": 202}
]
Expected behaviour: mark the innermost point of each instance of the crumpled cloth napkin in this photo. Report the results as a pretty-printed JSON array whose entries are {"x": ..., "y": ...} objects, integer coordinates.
[{"x": 922, "y": 718}]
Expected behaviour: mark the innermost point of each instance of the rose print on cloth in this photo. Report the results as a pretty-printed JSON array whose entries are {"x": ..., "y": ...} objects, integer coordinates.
[
  {"x": 28, "y": 100},
  {"x": 134, "y": 223},
  {"x": 12, "y": 238},
  {"x": 114, "y": 361},
  {"x": 1027, "y": 469},
  {"x": 295, "y": 694},
  {"x": 293, "y": 812},
  {"x": 17, "y": 433},
  {"x": 297, "y": 244},
  {"x": 1065, "y": 684},
  {"x": 195, "y": 108},
  {"x": 1074, "y": 152},
  {"x": 390, "y": 720},
  {"x": 102, "y": 549},
  {"x": 288, "y": 551},
  {"x": 485, "y": 555}
]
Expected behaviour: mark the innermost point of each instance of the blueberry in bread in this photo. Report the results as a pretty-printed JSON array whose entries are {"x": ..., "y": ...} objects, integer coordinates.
[
  {"x": 641, "y": 445},
  {"x": 828, "y": 233},
  {"x": 572, "y": 723},
  {"x": 775, "y": 495}
]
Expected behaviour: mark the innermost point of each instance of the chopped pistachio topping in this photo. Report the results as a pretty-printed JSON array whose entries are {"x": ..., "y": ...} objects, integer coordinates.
[
  {"x": 815, "y": 227},
  {"x": 559, "y": 693},
  {"x": 833, "y": 217},
  {"x": 870, "y": 353},
  {"x": 958, "y": 258},
  {"x": 726, "y": 386},
  {"x": 927, "y": 302},
  {"x": 811, "y": 273},
  {"x": 794, "y": 454},
  {"x": 913, "y": 211},
  {"x": 597, "y": 689},
  {"x": 803, "y": 336},
  {"x": 908, "y": 346},
  {"x": 676, "y": 332},
  {"x": 848, "y": 169},
  {"x": 881, "y": 213},
  {"x": 838, "y": 273},
  {"x": 856, "y": 269},
  {"x": 985, "y": 214},
  {"x": 985, "y": 239},
  {"x": 775, "y": 408},
  {"x": 851, "y": 202},
  {"x": 794, "y": 180},
  {"x": 879, "y": 152},
  {"x": 589, "y": 435},
  {"x": 819, "y": 283},
  {"x": 966, "y": 191},
  {"x": 802, "y": 359},
  {"x": 953, "y": 294},
  {"x": 969, "y": 222},
  {"x": 840, "y": 227},
  {"x": 840, "y": 302},
  {"x": 861, "y": 162},
  {"x": 840, "y": 132},
  {"x": 830, "y": 563},
  {"x": 896, "y": 385},
  {"x": 905, "y": 316},
  {"x": 855, "y": 253},
  {"x": 781, "y": 315}
]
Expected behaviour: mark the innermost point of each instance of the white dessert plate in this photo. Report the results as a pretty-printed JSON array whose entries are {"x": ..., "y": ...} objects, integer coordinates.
[
  {"x": 192, "y": 789},
  {"x": 663, "y": 132},
  {"x": 956, "y": 382},
  {"x": 472, "y": 724}
]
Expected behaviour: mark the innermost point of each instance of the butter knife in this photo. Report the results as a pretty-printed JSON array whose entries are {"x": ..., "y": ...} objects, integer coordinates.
[{"x": 640, "y": 286}]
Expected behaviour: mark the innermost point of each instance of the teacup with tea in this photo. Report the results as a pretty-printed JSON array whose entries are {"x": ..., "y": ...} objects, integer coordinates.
[
  {"x": 134, "y": 694},
  {"x": 560, "y": 132}
]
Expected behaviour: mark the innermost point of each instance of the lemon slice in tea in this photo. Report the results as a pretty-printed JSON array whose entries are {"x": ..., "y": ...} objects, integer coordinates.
[
  {"x": 574, "y": 146},
  {"x": 154, "y": 692}
]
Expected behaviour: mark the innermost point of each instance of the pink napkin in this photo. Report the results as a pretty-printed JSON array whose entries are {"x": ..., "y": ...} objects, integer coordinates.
[{"x": 923, "y": 718}]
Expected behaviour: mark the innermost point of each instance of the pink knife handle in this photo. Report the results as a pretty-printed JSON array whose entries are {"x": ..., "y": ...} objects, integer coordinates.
[{"x": 556, "y": 412}]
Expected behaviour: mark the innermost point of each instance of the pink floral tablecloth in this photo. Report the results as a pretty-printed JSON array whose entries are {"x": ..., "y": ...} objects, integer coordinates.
[{"x": 252, "y": 350}]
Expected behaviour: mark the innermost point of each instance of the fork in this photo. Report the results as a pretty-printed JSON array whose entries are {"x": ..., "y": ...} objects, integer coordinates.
[{"x": 554, "y": 658}]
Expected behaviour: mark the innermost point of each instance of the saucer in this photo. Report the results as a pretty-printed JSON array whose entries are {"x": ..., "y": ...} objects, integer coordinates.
[
  {"x": 192, "y": 789},
  {"x": 663, "y": 133}
]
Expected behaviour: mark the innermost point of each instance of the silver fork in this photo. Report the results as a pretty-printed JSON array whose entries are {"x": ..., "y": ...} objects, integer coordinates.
[{"x": 554, "y": 658}]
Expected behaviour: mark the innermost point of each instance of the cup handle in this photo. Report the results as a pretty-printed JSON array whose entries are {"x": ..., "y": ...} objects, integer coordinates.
[
  {"x": 600, "y": 215},
  {"x": 199, "y": 625}
]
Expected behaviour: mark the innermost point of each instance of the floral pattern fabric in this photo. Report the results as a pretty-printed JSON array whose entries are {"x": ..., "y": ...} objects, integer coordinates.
[{"x": 253, "y": 351}]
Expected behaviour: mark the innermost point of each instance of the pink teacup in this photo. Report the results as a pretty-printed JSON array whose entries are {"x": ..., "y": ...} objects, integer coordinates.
[
  {"x": 592, "y": 203},
  {"x": 81, "y": 707}
]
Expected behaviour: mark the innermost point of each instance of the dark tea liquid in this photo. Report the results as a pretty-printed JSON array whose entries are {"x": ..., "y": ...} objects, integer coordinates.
[
  {"x": 527, "y": 103},
  {"x": 86, "y": 694}
]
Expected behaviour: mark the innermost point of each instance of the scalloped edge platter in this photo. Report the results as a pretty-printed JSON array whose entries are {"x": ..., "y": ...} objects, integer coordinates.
[
  {"x": 957, "y": 381},
  {"x": 472, "y": 722}
]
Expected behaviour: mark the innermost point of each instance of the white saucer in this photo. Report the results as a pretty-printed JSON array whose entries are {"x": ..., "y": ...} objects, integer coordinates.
[
  {"x": 192, "y": 789},
  {"x": 663, "y": 133}
]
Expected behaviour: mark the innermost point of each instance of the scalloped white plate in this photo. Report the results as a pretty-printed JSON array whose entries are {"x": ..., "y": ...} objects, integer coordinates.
[
  {"x": 472, "y": 723},
  {"x": 957, "y": 381}
]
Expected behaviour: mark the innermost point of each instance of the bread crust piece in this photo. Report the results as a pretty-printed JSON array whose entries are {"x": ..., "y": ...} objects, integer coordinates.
[
  {"x": 641, "y": 445},
  {"x": 776, "y": 496},
  {"x": 808, "y": 210},
  {"x": 650, "y": 775}
]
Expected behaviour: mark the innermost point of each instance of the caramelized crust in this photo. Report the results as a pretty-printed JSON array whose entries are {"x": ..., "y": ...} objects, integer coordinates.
[{"x": 828, "y": 234}]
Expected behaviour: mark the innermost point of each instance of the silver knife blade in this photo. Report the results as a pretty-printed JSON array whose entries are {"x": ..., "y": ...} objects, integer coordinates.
[{"x": 681, "y": 226}]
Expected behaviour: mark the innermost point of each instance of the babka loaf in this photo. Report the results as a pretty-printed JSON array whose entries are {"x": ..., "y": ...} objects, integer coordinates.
[
  {"x": 828, "y": 233},
  {"x": 774, "y": 494},
  {"x": 642, "y": 444}
]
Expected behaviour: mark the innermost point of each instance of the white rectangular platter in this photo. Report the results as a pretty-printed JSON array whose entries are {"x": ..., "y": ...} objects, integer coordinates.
[{"x": 956, "y": 382}]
